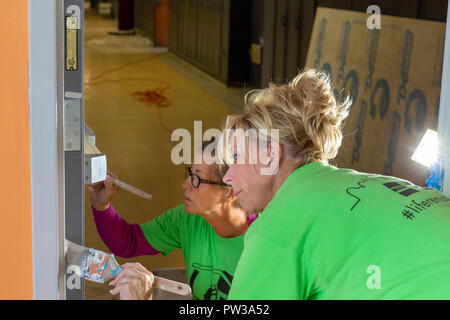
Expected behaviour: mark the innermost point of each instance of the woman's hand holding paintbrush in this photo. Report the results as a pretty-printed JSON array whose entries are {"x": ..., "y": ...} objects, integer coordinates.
[
  {"x": 131, "y": 280},
  {"x": 135, "y": 282},
  {"x": 103, "y": 192}
]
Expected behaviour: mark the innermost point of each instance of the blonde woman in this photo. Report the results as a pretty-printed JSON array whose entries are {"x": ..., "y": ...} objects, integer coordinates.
[{"x": 325, "y": 232}]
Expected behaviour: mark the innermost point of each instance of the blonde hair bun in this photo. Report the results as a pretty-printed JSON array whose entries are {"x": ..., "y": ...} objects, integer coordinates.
[{"x": 305, "y": 111}]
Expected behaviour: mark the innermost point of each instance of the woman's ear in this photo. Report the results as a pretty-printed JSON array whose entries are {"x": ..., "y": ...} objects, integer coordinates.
[{"x": 274, "y": 156}]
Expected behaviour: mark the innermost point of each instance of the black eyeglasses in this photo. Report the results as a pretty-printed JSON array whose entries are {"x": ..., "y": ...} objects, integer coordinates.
[{"x": 195, "y": 179}]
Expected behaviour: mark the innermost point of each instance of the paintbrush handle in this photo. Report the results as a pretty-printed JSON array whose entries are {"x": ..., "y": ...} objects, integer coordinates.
[
  {"x": 172, "y": 286},
  {"x": 131, "y": 189}
]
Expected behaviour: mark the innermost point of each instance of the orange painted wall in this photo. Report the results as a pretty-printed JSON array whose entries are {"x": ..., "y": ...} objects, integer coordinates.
[{"x": 15, "y": 188}]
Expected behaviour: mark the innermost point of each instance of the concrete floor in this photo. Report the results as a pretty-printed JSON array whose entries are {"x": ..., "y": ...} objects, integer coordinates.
[{"x": 135, "y": 135}]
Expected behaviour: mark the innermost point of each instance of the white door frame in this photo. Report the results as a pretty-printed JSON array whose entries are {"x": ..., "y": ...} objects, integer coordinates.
[
  {"x": 57, "y": 170},
  {"x": 47, "y": 164},
  {"x": 444, "y": 110}
]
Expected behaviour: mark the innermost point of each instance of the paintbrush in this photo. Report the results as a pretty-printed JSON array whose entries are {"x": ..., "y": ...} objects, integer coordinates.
[
  {"x": 130, "y": 188},
  {"x": 98, "y": 266}
]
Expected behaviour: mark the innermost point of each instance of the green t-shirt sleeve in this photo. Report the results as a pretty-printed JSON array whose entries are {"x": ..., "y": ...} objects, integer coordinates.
[
  {"x": 164, "y": 232},
  {"x": 259, "y": 278}
]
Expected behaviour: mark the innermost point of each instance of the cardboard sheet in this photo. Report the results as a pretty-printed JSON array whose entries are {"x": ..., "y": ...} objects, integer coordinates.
[{"x": 394, "y": 77}]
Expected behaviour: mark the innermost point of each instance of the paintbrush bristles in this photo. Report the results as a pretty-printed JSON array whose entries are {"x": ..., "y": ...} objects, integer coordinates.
[
  {"x": 76, "y": 255},
  {"x": 91, "y": 264}
]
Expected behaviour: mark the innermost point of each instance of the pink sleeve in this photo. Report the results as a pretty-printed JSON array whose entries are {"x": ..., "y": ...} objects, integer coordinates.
[
  {"x": 252, "y": 217},
  {"x": 123, "y": 239}
]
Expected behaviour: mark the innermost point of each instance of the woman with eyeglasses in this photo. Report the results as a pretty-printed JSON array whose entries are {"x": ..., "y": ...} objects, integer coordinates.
[{"x": 209, "y": 228}]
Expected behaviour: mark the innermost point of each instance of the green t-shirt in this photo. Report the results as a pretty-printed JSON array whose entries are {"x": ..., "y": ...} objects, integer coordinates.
[
  {"x": 333, "y": 233},
  {"x": 210, "y": 259}
]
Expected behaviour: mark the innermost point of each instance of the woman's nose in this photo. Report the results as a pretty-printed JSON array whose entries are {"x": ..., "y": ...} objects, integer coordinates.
[
  {"x": 228, "y": 177},
  {"x": 186, "y": 184}
]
